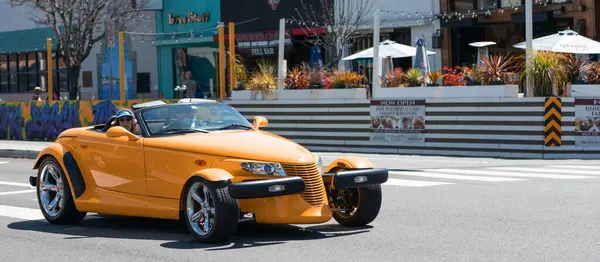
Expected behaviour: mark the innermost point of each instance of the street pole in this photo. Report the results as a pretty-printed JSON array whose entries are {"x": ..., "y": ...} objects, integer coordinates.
[
  {"x": 376, "y": 61},
  {"x": 122, "y": 79},
  {"x": 222, "y": 94},
  {"x": 529, "y": 44},
  {"x": 280, "y": 66},
  {"x": 49, "y": 68},
  {"x": 231, "y": 56}
]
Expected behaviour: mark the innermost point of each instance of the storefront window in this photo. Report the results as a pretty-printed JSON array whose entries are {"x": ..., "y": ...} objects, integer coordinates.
[
  {"x": 487, "y": 4},
  {"x": 194, "y": 67},
  {"x": 510, "y": 3},
  {"x": 20, "y": 73},
  {"x": 463, "y": 5}
]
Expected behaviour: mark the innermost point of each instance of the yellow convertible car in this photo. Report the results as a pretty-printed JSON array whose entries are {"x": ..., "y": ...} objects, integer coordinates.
[{"x": 202, "y": 162}]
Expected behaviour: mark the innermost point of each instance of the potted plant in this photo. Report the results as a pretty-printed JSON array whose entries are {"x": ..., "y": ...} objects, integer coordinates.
[
  {"x": 434, "y": 77},
  {"x": 414, "y": 77},
  {"x": 263, "y": 81},
  {"x": 577, "y": 67},
  {"x": 548, "y": 73},
  {"x": 494, "y": 68}
]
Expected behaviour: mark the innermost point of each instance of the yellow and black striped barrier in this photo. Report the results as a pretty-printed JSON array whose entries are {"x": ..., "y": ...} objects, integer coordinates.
[{"x": 552, "y": 121}]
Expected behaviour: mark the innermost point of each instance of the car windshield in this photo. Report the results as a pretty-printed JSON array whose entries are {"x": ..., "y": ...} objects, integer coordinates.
[{"x": 192, "y": 117}]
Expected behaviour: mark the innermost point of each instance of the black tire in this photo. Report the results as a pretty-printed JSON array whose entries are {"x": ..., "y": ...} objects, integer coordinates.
[
  {"x": 68, "y": 214},
  {"x": 368, "y": 204},
  {"x": 226, "y": 215}
]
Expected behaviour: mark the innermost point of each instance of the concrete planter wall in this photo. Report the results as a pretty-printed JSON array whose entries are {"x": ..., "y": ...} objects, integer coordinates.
[
  {"x": 308, "y": 94},
  {"x": 495, "y": 91},
  {"x": 584, "y": 91}
]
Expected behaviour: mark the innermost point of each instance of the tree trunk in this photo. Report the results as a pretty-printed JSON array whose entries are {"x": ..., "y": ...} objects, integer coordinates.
[{"x": 74, "y": 82}]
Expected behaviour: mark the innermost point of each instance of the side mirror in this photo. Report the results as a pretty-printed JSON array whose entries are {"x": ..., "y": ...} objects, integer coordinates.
[
  {"x": 259, "y": 122},
  {"x": 119, "y": 131}
]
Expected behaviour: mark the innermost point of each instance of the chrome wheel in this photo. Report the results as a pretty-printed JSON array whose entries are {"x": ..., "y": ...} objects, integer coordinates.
[
  {"x": 200, "y": 209},
  {"x": 51, "y": 190}
]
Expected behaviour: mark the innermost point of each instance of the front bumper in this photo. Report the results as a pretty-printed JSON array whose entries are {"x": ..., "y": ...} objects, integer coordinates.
[
  {"x": 33, "y": 180},
  {"x": 266, "y": 188},
  {"x": 357, "y": 178}
]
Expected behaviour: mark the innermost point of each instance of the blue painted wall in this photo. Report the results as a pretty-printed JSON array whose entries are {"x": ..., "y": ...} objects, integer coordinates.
[{"x": 203, "y": 33}]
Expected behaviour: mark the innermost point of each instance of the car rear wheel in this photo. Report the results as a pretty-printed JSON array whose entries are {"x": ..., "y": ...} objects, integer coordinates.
[
  {"x": 356, "y": 206},
  {"x": 54, "y": 194},
  {"x": 211, "y": 215}
]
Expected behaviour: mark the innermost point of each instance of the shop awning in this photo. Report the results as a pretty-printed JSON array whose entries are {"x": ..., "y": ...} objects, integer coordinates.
[{"x": 26, "y": 40}]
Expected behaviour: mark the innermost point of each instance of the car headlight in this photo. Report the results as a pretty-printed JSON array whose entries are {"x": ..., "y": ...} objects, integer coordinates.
[
  {"x": 319, "y": 163},
  {"x": 263, "y": 168}
]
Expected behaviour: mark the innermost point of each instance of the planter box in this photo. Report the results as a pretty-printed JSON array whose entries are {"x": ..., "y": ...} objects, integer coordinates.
[
  {"x": 497, "y": 91},
  {"x": 584, "y": 91},
  {"x": 308, "y": 94},
  {"x": 253, "y": 95}
]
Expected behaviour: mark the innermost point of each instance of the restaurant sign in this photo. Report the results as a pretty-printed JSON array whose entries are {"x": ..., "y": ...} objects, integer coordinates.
[{"x": 190, "y": 18}]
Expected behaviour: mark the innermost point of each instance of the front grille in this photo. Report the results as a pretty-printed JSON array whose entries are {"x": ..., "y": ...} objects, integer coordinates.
[{"x": 314, "y": 190}]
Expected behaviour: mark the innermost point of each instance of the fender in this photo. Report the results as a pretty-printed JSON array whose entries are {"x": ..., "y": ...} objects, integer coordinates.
[
  {"x": 213, "y": 175},
  {"x": 65, "y": 159},
  {"x": 55, "y": 149},
  {"x": 349, "y": 162}
]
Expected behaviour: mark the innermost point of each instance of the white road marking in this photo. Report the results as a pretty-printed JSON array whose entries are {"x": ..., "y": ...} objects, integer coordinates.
[
  {"x": 21, "y": 212},
  {"x": 7, "y": 183},
  {"x": 413, "y": 183},
  {"x": 547, "y": 170},
  {"x": 335, "y": 155},
  {"x": 458, "y": 177},
  {"x": 508, "y": 174},
  {"x": 17, "y": 192},
  {"x": 3, "y": 162},
  {"x": 597, "y": 168}
]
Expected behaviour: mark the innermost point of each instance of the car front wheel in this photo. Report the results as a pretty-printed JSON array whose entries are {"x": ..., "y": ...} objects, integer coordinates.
[
  {"x": 211, "y": 215},
  {"x": 356, "y": 206},
  {"x": 54, "y": 194}
]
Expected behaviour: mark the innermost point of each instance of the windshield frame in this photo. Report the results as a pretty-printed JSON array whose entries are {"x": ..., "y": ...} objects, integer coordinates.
[{"x": 139, "y": 114}]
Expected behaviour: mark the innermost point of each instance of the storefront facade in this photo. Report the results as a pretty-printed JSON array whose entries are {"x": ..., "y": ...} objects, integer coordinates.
[
  {"x": 257, "y": 31},
  {"x": 506, "y": 25},
  {"x": 186, "y": 51}
]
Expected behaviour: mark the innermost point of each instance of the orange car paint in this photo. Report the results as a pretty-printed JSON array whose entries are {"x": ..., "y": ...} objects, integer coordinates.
[{"x": 146, "y": 177}]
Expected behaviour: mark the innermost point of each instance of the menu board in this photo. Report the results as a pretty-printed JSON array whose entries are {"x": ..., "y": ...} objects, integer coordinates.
[
  {"x": 587, "y": 122},
  {"x": 398, "y": 121}
]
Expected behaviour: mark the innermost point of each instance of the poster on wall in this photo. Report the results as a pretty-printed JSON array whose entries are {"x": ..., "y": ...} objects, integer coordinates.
[
  {"x": 398, "y": 121},
  {"x": 587, "y": 122}
]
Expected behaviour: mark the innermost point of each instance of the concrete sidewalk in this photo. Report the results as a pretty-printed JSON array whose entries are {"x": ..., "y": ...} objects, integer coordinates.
[{"x": 21, "y": 149}]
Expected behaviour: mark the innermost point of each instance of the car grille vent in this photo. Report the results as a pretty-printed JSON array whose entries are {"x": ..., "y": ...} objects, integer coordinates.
[{"x": 315, "y": 189}]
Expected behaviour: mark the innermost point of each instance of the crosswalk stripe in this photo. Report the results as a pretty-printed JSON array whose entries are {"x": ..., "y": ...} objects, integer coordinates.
[
  {"x": 413, "y": 183},
  {"x": 458, "y": 177},
  {"x": 508, "y": 174},
  {"x": 21, "y": 212},
  {"x": 546, "y": 170},
  {"x": 597, "y": 168},
  {"x": 7, "y": 183},
  {"x": 17, "y": 192}
]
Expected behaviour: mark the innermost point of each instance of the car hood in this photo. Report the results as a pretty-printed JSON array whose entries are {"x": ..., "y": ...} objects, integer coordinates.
[{"x": 254, "y": 145}]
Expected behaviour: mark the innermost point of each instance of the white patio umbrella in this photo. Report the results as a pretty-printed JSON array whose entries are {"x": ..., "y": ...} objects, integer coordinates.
[
  {"x": 388, "y": 49},
  {"x": 567, "y": 41}
]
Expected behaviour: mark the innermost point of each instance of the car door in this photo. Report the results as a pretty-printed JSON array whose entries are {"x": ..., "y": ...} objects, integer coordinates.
[{"x": 115, "y": 164}]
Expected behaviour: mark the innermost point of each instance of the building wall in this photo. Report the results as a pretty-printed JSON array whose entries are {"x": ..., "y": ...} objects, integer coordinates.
[
  {"x": 410, "y": 6},
  {"x": 174, "y": 38},
  {"x": 575, "y": 11},
  {"x": 18, "y": 18}
]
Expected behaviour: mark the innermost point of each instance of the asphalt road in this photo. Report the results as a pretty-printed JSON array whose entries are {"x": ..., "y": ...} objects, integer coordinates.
[{"x": 435, "y": 208}]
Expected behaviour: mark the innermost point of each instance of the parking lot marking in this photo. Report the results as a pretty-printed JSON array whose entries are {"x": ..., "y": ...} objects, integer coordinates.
[
  {"x": 7, "y": 183},
  {"x": 21, "y": 212},
  {"x": 17, "y": 192}
]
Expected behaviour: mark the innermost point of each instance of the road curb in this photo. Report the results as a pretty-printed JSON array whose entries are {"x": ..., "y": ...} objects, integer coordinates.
[{"x": 16, "y": 153}]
